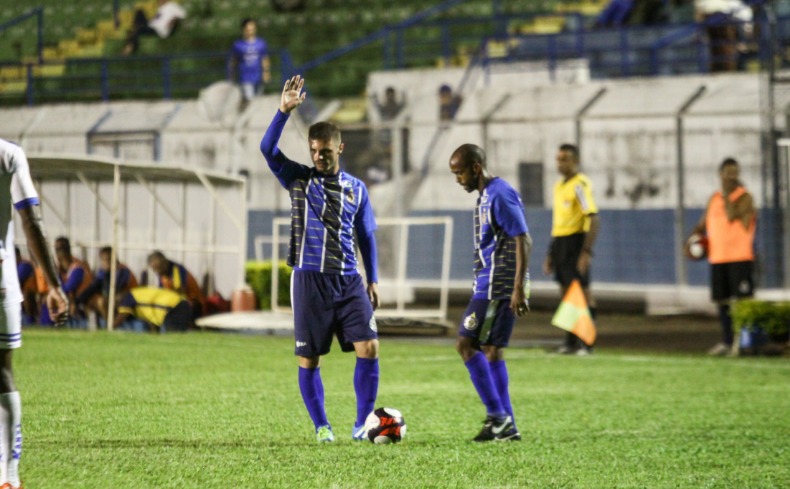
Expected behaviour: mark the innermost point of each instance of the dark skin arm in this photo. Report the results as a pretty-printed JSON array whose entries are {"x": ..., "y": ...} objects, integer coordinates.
[
  {"x": 742, "y": 209},
  {"x": 699, "y": 229},
  {"x": 585, "y": 257},
  {"x": 518, "y": 300},
  {"x": 56, "y": 299}
]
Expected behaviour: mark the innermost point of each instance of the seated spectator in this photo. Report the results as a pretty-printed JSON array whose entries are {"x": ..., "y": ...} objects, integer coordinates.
[
  {"x": 391, "y": 107},
  {"x": 42, "y": 288},
  {"x": 175, "y": 276},
  {"x": 76, "y": 277},
  {"x": 95, "y": 296},
  {"x": 722, "y": 19},
  {"x": 449, "y": 103},
  {"x": 27, "y": 282},
  {"x": 168, "y": 16},
  {"x": 155, "y": 309}
]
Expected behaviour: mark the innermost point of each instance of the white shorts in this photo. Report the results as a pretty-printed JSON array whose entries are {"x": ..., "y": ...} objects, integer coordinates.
[
  {"x": 250, "y": 90},
  {"x": 11, "y": 326}
]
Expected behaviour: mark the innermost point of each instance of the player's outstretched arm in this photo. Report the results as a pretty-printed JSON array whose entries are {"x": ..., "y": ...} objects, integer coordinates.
[
  {"x": 292, "y": 96},
  {"x": 57, "y": 302}
]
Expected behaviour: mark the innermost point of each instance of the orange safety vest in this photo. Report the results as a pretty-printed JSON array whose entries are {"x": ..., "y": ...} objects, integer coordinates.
[
  {"x": 41, "y": 281},
  {"x": 87, "y": 276},
  {"x": 729, "y": 241}
]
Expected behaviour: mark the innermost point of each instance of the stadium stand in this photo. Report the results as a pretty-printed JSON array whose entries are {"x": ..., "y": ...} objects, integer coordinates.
[{"x": 72, "y": 34}]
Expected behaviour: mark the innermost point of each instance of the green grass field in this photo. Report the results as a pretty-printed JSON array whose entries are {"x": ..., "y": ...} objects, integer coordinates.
[{"x": 210, "y": 410}]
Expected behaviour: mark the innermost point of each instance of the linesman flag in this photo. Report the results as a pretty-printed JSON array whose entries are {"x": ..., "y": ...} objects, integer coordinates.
[{"x": 573, "y": 315}]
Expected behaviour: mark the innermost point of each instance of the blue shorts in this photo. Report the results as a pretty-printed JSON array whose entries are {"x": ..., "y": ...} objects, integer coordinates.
[
  {"x": 327, "y": 305},
  {"x": 488, "y": 322}
]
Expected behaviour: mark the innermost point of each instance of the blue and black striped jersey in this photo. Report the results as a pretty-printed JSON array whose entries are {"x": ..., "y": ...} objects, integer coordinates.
[
  {"x": 326, "y": 211},
  {"x": 499, "y": 218}
]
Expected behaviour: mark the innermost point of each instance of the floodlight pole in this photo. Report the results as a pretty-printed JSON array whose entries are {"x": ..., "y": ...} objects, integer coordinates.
[
  {"x": 577, "y": 119},
  {"x": 681, "y": 270},
  {"x": 116, "y": 189},
  {"x": 784, "y": 206}
]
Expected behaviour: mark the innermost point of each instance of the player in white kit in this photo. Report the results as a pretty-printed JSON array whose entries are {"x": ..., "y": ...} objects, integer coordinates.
[{"x": 17, "y": 190}]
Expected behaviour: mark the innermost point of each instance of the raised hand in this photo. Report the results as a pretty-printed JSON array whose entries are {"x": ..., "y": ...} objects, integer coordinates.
[{"x": 292, "y": 96}]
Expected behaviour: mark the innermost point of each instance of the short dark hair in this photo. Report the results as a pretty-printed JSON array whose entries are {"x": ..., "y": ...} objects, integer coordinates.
[
  {"x": 245, "y": 21},
  {"x": 62, "y": 243},
  {"x": 324, "y": 131},
  {"x": 470, "y": 154},
  {"x": 105, "y": 250},
  {"x": 570, "y": 148},
  {"x": 156, "y": 254},
  {"x": 728, "y": 162}
]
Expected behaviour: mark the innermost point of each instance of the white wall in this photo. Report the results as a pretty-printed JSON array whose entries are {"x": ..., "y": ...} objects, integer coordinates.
[{"x": 628, "y": 136}]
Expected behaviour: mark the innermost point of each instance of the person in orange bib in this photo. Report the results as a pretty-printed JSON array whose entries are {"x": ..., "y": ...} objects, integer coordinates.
[
  {"x": 76, "y": 276},
  {"x": 729, "y": 221}
]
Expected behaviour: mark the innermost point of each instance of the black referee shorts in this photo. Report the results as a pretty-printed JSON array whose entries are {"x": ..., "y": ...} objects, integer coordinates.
[
  {"x": 564, "y": 252},
  {"x": 731, "y": 280}
]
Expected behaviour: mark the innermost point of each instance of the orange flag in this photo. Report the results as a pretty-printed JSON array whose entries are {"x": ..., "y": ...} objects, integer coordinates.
[{"x": 573, "y": 315}]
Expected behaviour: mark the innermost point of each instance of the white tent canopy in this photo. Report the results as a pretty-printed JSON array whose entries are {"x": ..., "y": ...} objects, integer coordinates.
[{"x": 138, "y": 208}]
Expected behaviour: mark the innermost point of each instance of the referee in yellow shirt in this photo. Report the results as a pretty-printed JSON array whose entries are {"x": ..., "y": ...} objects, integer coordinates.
[{"x": 574, "y": 229}]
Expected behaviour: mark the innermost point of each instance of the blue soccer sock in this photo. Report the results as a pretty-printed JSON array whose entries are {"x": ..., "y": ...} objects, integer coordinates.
[
  {"x": 312, "y": 390},
  {"x": 480, "y": 373},
  {"x": 501, "y": 380},
  {"x": 366, "y": 385},
  {"x": 319, "y": 388}
]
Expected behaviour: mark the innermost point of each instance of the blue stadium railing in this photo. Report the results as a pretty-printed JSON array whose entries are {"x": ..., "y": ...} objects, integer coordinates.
[
  {"x": 612, "y": 53},
  {"x": 637, "y": 51},
  {"x": 105, "y": 79}
]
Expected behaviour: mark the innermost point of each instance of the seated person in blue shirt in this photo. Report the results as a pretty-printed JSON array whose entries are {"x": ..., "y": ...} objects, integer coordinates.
[{"x": 96, "y": 294}]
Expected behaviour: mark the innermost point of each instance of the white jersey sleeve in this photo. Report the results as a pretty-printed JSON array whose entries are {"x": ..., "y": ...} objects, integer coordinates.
[
  {"x": 23, "y": 192},
  {"x": 16, "y": 187}
]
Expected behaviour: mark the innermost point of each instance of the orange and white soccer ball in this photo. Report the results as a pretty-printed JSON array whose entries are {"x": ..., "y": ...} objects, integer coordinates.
[{"x": 385, "y": 426}]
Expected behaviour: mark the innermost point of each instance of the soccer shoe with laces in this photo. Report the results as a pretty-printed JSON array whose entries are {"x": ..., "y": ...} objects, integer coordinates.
[
  {"x": 510, "y": 435},
  {"x": 494, "y": 427},
  {"x": 8, "y": 485},
  {"x": 323, "y": 434},
  {"x": 359, "y": 433}
]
